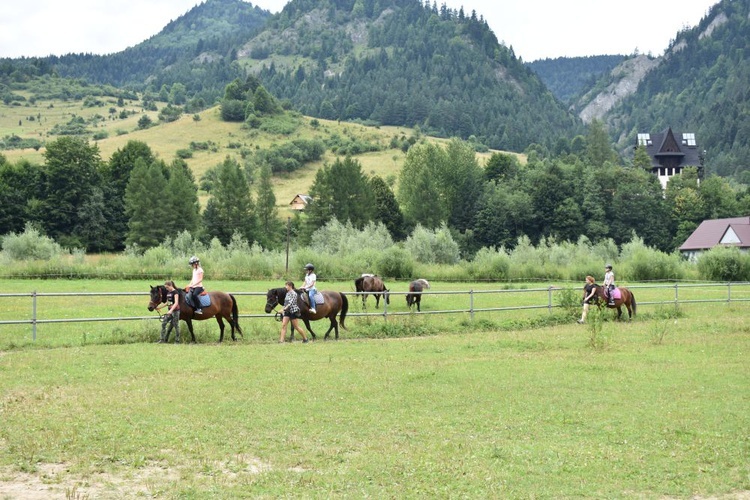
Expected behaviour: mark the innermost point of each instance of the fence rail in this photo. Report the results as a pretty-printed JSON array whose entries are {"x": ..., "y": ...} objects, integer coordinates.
[{"x": 742, "y": 294}]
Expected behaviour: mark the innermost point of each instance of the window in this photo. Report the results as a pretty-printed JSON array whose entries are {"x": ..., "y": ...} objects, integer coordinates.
[
  {"x": 644, "y": 139},
  {"x": 688, "y": 139}
]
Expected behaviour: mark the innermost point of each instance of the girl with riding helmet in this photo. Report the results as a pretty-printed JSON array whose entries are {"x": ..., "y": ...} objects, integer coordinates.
[
  {"x": 291, "y": 313},
  {"x": 609, "y": 283},
  {"x": 309, "y": 285},
  {"x": 195, "y": 288}
]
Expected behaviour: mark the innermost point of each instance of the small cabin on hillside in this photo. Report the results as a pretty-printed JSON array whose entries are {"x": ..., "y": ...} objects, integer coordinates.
[
  {"x": 300, "y": 202},
  {"x": 734, "y": 232},
  {"x": 671, "y": 152}
]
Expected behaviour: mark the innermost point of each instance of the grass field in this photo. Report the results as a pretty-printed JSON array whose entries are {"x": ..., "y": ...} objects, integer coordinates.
[{"x": 654, "y": 411}]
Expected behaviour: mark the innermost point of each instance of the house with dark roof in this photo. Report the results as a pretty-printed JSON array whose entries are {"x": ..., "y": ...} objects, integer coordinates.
[
  {"x": 671, "y": 152},
  {"x": 733, "y": 232}
]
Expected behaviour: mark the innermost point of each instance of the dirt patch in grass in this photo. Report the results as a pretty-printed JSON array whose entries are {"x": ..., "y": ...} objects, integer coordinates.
[{"x": 54, "y": 481}]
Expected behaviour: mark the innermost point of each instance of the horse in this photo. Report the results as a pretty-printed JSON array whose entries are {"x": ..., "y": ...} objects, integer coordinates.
[
  {"x": 415, "y": 293},
  {"x": 372, "y": 283},
  {"x": 334, "y": 303},
  {"x": 223, "y": 306},
  {"x": 626, "y": 299}
]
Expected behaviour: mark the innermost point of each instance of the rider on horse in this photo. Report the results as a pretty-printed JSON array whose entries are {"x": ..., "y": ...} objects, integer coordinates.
[
  {"x": 195, "y": 288},
  {"x": 609, "y": 284}
]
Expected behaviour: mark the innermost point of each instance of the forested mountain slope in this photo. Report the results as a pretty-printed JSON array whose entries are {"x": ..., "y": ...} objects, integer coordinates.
[
  {"x": 195, "y": 50},
  {"x": 399, "y": 62},
  {"x": 568, "y": 77},
  {"x": 701, "y": 86}
]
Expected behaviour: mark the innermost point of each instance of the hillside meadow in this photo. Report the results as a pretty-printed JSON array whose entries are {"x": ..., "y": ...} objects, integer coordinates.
[
  {"x": 225, "y": 139},
  {"x": 657, "y": 408}
]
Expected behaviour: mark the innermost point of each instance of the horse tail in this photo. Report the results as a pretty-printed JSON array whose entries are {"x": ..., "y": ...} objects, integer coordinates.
[
  {"x": 344, "y": 309},
  {"x": 632, "y": 301},
  {"x": 236, "y": 316}
]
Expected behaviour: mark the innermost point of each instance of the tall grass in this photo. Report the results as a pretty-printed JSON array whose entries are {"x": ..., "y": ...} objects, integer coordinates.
[{"x": 340, "y": 251}]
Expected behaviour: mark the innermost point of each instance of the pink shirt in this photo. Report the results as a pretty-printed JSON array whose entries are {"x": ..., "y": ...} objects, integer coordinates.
[{"x": 197, "y": 280}]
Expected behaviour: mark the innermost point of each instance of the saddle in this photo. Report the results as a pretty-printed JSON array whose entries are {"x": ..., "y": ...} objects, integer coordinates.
[
  {"x": 319, "y": 298},
  {"x": 204, "y": 298},
  {"x": 615, "y": 294}
]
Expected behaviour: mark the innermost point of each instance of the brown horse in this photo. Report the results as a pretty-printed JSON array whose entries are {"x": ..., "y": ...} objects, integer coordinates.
[
  {"x": 415, "y": 293},
  {"x": 626, "y": 299},
  {"x": 223, "y": 306},
  {"x": 334, "y": 303},
  {"x": 371, "y": 283}
]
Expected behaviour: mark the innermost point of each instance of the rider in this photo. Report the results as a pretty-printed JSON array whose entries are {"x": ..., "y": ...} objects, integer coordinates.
[
  {"x": 609, "y": 284},
  {"x": 195, "y": 288},
  {"x": 309, "y": 285}
]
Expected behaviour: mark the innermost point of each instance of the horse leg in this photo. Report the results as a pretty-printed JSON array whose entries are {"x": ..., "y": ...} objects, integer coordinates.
[
  {"x": 221, "y": 328},
  {"x": 419, "y": 303},
  {"x": 309, "y": 328},
  {"x": 377, "y": 300},
  {"x": 190, "y": 329},
  {"x": 334, "y": 324}
]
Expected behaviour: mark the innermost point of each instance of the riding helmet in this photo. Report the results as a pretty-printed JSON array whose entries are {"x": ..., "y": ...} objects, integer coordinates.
[
  {"x": 608, "y": 266},
  {"x": 310, "y": 267},
  {"x": 193, "y": 260}
]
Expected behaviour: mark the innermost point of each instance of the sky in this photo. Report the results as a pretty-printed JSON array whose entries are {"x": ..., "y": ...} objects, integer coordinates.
[{"x": 536, "y": 29}]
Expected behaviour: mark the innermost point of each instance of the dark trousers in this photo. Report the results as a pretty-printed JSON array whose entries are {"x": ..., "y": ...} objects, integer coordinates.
[{"x": 169, "y": 321}]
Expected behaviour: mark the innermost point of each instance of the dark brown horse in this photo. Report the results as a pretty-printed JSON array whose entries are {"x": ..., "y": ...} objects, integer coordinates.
[
  {"x": 415, "y": 293},
  {"x": 374, "y": 284},
  {"x": 334, "y": 303},
  {"x": 626, "y": 299},
  {"x": 223, "y": 306}
]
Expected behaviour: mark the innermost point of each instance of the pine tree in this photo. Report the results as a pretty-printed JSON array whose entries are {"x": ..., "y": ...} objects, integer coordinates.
[
  {"x": 145, "y": 206},
  {"x": 269, "y": 233},
  {"x": 230, "y": 208}
]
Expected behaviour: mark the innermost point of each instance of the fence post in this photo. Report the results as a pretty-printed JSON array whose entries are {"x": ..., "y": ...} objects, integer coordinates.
[
  {"x": 676, "y": 298},
  {"x": 385, "y": 309},
  {"x": 729, "y": 292},
  {"x": 33, "y": 315},
  {"x": 549, "y": 299},
  {"x": 471, "y": 304}
]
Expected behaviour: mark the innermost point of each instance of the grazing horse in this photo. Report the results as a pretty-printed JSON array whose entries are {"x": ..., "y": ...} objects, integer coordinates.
[
  {"x": 626, "y": 299},
  {"x": 371, "y": 283},
  {"x": 415, "y": 293},
  {"x": 223, "y": 306},
  {"x": 334, "y": 303}
]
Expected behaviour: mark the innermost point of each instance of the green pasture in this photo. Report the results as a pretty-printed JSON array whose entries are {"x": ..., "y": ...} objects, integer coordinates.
[
  {"x": 657, "y": 409},
  {"x": 445, "y": 307}
]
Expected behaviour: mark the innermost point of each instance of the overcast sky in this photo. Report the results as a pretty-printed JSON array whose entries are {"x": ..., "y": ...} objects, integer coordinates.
[{"x": 534, "y": 28}]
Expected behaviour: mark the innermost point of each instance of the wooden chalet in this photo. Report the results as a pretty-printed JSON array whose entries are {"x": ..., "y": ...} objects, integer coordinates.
[
  {"x": 300, "y": 202},
  {"x": 671, "y": 152},
  {"x": 734, "y": 232}
]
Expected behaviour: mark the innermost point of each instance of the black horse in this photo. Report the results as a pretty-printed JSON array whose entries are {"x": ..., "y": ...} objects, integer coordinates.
[
  {"x": 223, "y": 306},
  {"x": 415, "y": 293},
  {"x": 374, "y": 284},
  {"x": 335, "y": 302}
]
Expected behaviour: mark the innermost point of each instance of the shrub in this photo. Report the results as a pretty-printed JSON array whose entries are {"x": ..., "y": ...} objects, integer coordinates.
[
  {"x": 490, "y": 264},
  {"x": 395, "y": 263},
  {"x": 724, "y": 264},
  {"x": 30, "y": 245}
]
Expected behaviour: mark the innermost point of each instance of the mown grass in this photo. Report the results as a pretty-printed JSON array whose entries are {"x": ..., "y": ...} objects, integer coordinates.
[
  {"x": 495, "y": 305},
  {"x": 505, "y": 413}
]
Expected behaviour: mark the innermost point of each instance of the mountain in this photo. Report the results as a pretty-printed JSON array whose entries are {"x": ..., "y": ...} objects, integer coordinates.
[
  {"x": 700, "y": 85},
  {"x": 196, "y": 50},
  {"x": 568, "y": 77},
  {"x": 399, "y": 62}
]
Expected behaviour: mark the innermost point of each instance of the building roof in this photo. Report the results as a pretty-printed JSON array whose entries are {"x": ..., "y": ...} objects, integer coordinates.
[
  {"x": 730, "y": 232},
  {"x": 671, "y": 144}
]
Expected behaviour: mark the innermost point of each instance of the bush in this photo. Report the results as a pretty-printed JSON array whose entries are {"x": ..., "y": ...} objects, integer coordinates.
[
  {"x": 490, "y": 264},
  {"x": 724, "y": 264},
  {"x": 30, "y": 245},
  {"x": 395, "y": 263}
]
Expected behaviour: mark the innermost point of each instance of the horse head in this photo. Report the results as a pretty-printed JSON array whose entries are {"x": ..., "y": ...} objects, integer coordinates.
[
  {"x": 158, "y": 295},
  {"x": 272, "y": 299}
]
